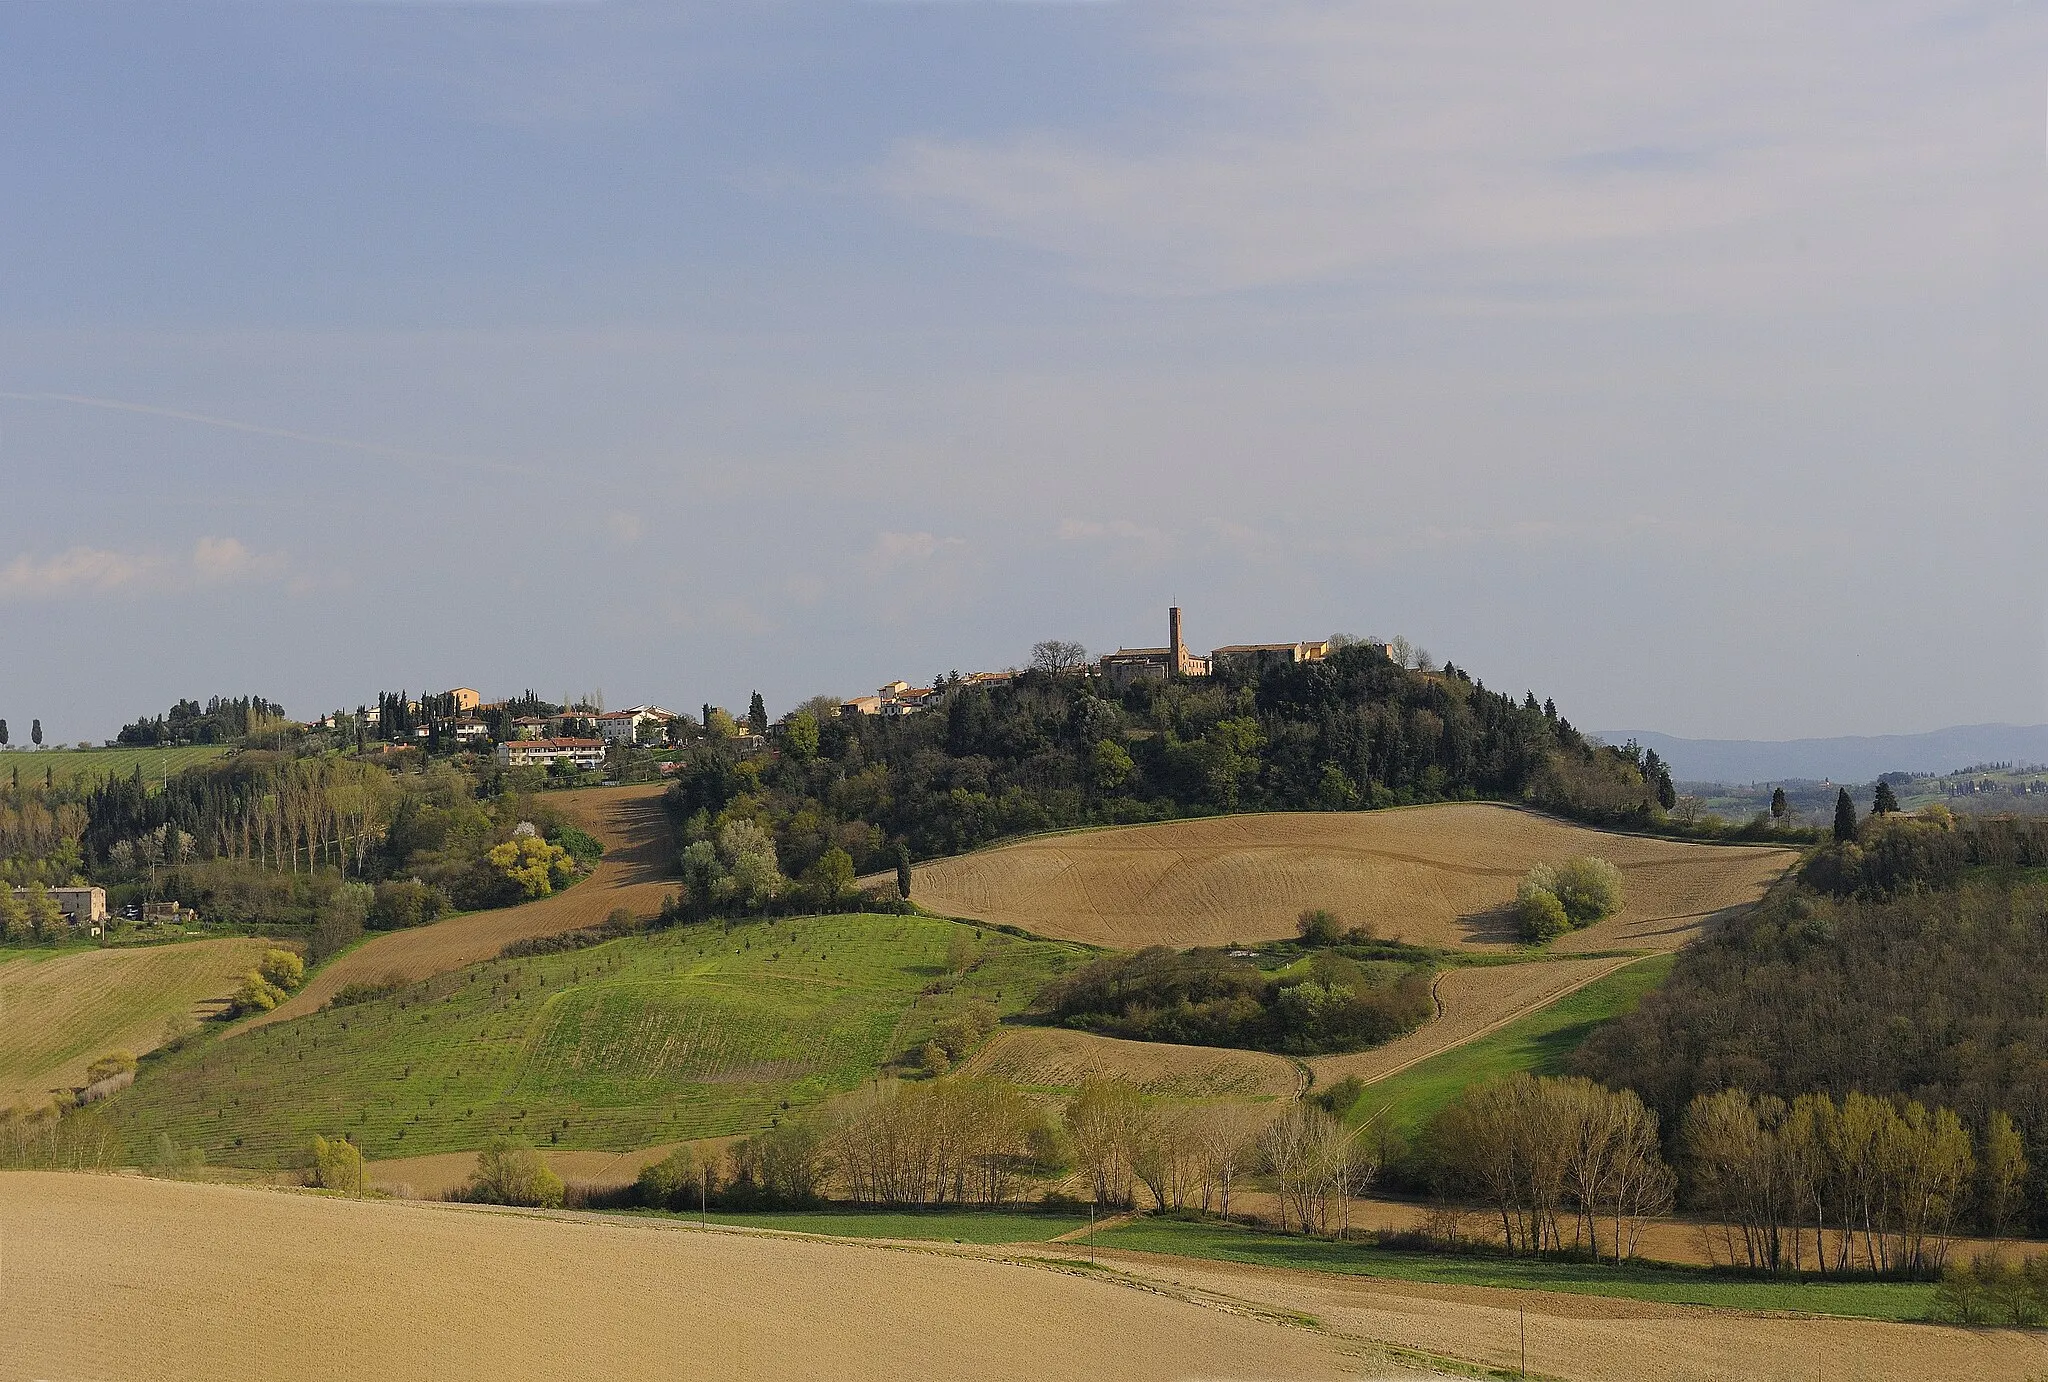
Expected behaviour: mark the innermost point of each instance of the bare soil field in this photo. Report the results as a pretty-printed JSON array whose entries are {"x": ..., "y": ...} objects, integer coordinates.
[
  {"x": 158, "y": 1281},
  {"x": 1470, "y": 1003},
  {"x": 1600, "y": 1339},
  {"x": 636, "y": 872},
  {"x": 1052, "y": 1057},
  {"x": 61, "y": 1012},
  {"x": 1432, "y": 875}
]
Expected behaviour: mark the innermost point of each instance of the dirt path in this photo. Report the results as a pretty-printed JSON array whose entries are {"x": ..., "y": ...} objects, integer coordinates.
[
  {"x": 636, "y": 873},
  {"x": 1591, "y": 1338},
  {"x": 1471, "y": 1003}
]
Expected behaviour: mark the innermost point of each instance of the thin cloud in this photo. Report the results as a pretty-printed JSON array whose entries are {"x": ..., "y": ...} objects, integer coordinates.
[
  {"x": 904, "y": 549},
  {"x": 212, "y": 561}
]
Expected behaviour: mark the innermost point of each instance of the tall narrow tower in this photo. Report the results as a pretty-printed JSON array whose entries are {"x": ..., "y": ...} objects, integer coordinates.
[{"x": 1176, "y": 649}]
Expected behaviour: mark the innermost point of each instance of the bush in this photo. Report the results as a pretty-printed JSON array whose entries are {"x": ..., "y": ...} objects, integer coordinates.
[
  {"x": 405, "y": 903},
  {"x": 580, "y": 845},
  {"x": 337, "y": 1165},
  {"x": 1542, "y": 917},
  {"x": 682, "y": 1180},
  {"x": 1319, "y": 927},
  {"x": 282, "y": 969},
  {"x": 1589, "y": 888},
  {"x": 510, "y": 1171},
  {"x": 107, "y": 1066}
]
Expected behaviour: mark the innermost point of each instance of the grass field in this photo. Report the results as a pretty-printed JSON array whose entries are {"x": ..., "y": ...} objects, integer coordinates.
[
  {"x": 160, "y": 1281},
  {"x": 70, "y": 765},
  {"x": 62, "y": 1009},
  {"x": 1435, "y": 875},
  {"x": 1538, "y": 1043},
  {"x": 636, "y": 873},
  {"x": 938, "y": 1226},
  {"x": 640, "y": 1041},
  {"x": 1055, "y": 1060},
  {"x": 1876, "y": 1300}
]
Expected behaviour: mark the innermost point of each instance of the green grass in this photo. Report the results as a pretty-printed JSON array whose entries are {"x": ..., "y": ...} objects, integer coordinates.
[
  {"x": 92, "y": 765},
  {"x": 648, "y": 1039},
  {"x": 944, "y": 1226},
  {"x": 1539, "y": 1043},
  {"x": 1670, "y": 1285}
]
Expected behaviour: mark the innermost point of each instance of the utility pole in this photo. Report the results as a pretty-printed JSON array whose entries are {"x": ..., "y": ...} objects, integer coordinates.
[
  {"x": 1091, "y": 1233},
  {"x": 1523, "y": 1312}
]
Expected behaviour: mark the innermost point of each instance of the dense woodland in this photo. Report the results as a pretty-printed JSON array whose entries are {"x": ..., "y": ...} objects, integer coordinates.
[{"x": 1049, "y": 751}]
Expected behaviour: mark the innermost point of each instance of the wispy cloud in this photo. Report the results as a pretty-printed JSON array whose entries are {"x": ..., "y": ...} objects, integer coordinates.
[
  {"x": 212, "y": 561},
  {"x": 906, "y": 549}
]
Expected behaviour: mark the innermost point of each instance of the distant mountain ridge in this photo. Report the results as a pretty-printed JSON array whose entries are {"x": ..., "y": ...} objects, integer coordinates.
[{"x": 1847, "y": 759}]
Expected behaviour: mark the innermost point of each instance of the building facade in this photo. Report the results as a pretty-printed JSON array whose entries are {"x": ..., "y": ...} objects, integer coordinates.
[{"x": 532, "y": 753}]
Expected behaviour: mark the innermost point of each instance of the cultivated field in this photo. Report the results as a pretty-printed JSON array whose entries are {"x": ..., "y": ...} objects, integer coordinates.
[
  {"x": 1435, "y": 875},
  {"x": 1471, "y": 1001},
  {"x": 636, "y": 872},
  {"x": 92, "y": 765},
  {"x": 60, "y": 1011},
  {"x": 1595, "y": 1338},
  {"x": 649, "y": 1039},
  {"x": 1053, "y": 1059},
  {"x": 157, "y": 1281}
]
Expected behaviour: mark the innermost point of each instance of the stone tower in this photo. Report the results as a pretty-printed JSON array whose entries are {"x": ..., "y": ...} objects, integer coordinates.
[{"x": 1176, "y": 649}]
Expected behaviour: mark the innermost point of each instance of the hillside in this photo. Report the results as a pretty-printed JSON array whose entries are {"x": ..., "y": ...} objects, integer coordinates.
[
  {"x": 1844, "y": 758},
  {"x": 64, "y": 767},
  {"x": 61, "y": 1010},
  {"x": 1438, "y": 875},
  {"x": 121, "y": 1277},
  {"x": 636, "y": 873},
  {"x": 639, "y": 1041}
]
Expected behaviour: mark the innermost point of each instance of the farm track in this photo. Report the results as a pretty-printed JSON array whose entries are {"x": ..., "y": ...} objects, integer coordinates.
[
  {"x": 1585, "y": 1338},
  {"x": 636, "y": 873},
  {"x": 161, "y": 1281},
  {"x": 60, "y": 1012},
  {"x": 1436, "y": 875},
  {"x": 1471, "y": 1003}
]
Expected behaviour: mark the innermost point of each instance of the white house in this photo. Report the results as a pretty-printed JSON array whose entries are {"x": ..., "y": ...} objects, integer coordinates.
[
  {"x": 623, "y": 726},
  {"x": 539, "y": 753}
]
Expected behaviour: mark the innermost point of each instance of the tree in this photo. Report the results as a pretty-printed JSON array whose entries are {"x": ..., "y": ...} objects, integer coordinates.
[
  {"x": 45, "y": 917},
  {"x": 1541, "y": 915},
  {"x": 35, "y": 732},
  {"x": 1778, "y": 807},
  {"x": 337, "y": 1165},
  {"x": 1319, "y": 926},
  {"x": 1845, "y": 817},
  {"x": 757, "y": 715},
  {"x": 903, "y": 871},
  {"x": 1589, "y": 888},
  {"x": 800, "y": 736},
  {"x": 14, "y": 927},
  {"x": 1884, "y": 801},
  {"x": 283, "y": 969},
  {"x": 830, "y": 878},
  {"x": 1113, "y": 765},
  {"x": 1058, "y": 657},
  {"x": 3, "y": 734},
  {"x": 510, "y": 1171},
  {"x": 2004, "y": 1173}
]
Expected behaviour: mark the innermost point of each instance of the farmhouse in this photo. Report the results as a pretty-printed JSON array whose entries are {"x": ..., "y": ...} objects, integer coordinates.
[
  {"x": 81, "y": 906},
  {"x": 530, "y": 753}
]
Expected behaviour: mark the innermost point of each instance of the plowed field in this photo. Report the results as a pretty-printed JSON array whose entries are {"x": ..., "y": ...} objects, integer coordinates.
[
  {"x": 1054, "y": 1058},
  {"x": 1435, "y": 875},
  {"x": 636, "y": 872},
  {"x": 60, "y": 1012},
  {"x": 158, "y": 1281}
]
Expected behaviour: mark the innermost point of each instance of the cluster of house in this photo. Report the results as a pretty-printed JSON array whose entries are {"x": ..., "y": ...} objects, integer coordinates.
[
  {"x": 540, "y": 740},
  {"x": 85, "y": 907},
  {"x": 1120, "y": 668}
]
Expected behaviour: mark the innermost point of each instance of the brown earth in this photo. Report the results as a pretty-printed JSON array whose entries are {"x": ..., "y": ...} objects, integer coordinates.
[
  {"x": 636, "y": 873},
  {"x": 1057, "y": 1058},
  {"x": 160, "y": 1281},
  {"x": 1596, "y": 1338},
  {"x": 1434, "y": 875},
  {"x": 61, "y": 1013},
  {"x": 1471, "y": 1002}
]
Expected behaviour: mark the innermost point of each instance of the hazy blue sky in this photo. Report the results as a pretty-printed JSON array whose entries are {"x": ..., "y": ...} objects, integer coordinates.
[{"x": 1688, "y": 363}]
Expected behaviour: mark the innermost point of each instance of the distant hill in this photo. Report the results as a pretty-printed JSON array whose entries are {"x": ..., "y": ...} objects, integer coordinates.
[{"x": 1849, "y": 759}]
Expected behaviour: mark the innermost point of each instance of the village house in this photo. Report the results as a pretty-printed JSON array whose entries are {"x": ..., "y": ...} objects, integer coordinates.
[
  {"x": 623, "y": 726},
  {"x": 81, "y": 906},
  {"x": 539, "y": 753}
]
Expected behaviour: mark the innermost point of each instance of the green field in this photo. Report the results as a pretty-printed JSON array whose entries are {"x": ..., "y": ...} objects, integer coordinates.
[
  {"x": 1539, "y": 1043},
  {"x": 1877, "y": 1300},
  {"x": 942, "y": 1226},
  {"x": 643, "y": 1040},
  {"x": 92, "y": 765}
]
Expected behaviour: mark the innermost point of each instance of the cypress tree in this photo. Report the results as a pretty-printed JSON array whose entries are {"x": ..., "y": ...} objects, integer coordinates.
[
  {"x": 1778, "y": 807},
  {"x": 1884, "y": 801},
  {"x": 1845, "y": 816},
  {"x": 3, "y": 734},
  {"x": 757, "y": 715},
  {"x": 35, "y": 732},
  {"x": 903, "y": 871}
]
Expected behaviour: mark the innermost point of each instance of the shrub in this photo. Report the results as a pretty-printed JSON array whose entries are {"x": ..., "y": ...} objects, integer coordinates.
[
  {"x": 256, "y": 995},
  {"x": 510, "y": 1171},
  {"x": 107, "y": 1066},
  {"x": 282, "y": 969},
  {"x": 679, "y": 1181},
  {"x": 1542, "y": 917},
  {"x": 404, "y": 903},
  {"x": 1318, "y": 926},
  {"x": 337, "y": 1165},
  {"x": 1589, "y": 888}
]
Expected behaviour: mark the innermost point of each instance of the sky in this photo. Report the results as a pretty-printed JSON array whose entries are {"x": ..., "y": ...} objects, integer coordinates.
[{"x": 1687, "y": 364}]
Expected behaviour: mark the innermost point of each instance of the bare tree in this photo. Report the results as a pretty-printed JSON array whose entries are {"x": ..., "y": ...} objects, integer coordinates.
[{"x": 1058, "y": 657}]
